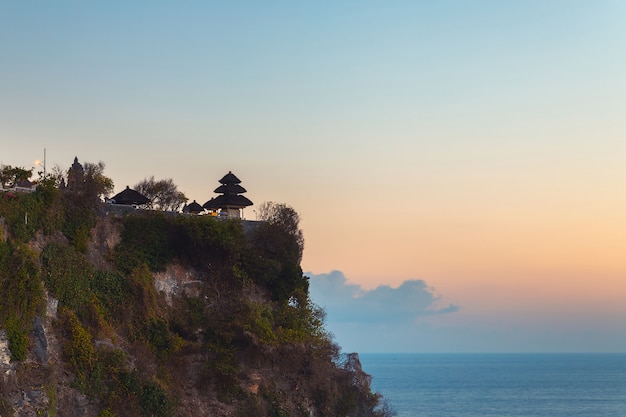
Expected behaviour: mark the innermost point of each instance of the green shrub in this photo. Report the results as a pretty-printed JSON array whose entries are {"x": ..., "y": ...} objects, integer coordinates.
[
  {"x": 78, "y": 349},
  {"x": 200, "y": 240},
  {"x": 274, "y": 400},
  {"x": 144, "y": 296},
  {"x": 145, "y": 240},
  {"x": 154, "y": 401},
  {"x": 22, "y": 296},
  {"x": 112, "y": 290},
  {"x": 23, "y": 214},
  {"x": 157, "y": 333},
  {"x": 17, "y": 336},
  {"x": 68, "y": 275},
  {"x": 260, "y": 321},
  {"x": 79, "y": 218},
  {"x": 273, "y": 259},
  {"x": 187, "y": 316}
]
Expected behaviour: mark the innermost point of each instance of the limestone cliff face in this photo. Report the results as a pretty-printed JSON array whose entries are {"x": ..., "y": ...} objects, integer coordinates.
[
  {"x": 39, "y": 386},
  {"x": 201, "y": 335},
  {"x": 5, "y": 354}
]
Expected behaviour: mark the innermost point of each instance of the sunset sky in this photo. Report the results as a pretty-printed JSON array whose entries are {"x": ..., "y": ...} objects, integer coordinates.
[{"x": 459, "y": 166}]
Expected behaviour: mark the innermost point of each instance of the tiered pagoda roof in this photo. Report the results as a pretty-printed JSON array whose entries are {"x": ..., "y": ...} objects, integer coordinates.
[{"x": 230, "y": 195}]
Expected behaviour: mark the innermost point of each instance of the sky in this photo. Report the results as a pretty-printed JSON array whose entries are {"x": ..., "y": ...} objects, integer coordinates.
[{"x": 458, "y": 166}]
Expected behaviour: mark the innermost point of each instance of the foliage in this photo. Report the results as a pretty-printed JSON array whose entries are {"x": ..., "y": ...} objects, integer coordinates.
[
  {"x": 102, "y": 373},
  {"x": 187, "y": 316},
  {"x": 220, "y": 333},
  {"x": 78, "y": 349},
  {"x": 21, "y": 295},
  {"x": 95, "y": 295},
  {"x": 143, "y": 297},
  {"x": 155, "y": 239},
  {"x": 68, "y": 275},
  {"x": 275, "y": 253},
  {"x": 163, "y": 194},
  {"x": 111, "y": 289},
  {"x": 154, "y": 401},
  {"x": 286, "y": 323},
  {"x": 47, "y": 209},
  {"x": 56, "y": 175},
  {"x": 50, "y": 200},
  {"x": 285, "y": 219},
  {"x": 26, "y": 213},
  {"x": 96, "y": 184},
  {"x": 145, "y": 240},
  {"x": 274, "y": 399},
  {"x": 79, "y": 218},
  {"x": 133, "y": 396},
  {"x": 201, "y": 241},
  {"x": 9, "y": 176},
  {"x": 17, "y": 335},
  {"x": 260, "y": 322},
  {"x": 157, "y": 333},
  {"x": 297, "y": 323}
]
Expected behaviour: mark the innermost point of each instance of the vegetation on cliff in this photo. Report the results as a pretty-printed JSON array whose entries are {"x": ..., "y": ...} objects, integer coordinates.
[{"x": 232, "y": 333}]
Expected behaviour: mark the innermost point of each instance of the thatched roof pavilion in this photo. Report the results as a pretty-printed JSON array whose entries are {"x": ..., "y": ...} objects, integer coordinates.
[
  {"x": 130, "y": 197},
  {"x": 193, "y": 208}
]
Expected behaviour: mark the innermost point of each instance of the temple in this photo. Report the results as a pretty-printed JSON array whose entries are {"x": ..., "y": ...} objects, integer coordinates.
[
  {"x": 230, "y": 202},
  {"x": 76, "y": 176}
]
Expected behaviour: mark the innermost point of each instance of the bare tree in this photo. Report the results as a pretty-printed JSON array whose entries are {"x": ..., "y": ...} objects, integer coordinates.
[{"x": 163, "y": 194}]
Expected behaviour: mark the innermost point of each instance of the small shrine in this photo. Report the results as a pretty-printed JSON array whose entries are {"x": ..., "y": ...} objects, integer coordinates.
[
  {"x": 129, "y": 197},
  {"x": 230, "y": 202},
  {"x": 25, "y": 186},
  {"x": 193, "y": 208}
]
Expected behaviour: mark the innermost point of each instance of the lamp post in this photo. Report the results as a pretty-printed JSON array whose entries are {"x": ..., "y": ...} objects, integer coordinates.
[{"x": 42, "y": 164}]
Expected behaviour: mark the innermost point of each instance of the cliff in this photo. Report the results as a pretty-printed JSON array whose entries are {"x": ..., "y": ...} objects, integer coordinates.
[{"x": 148, "y": 314}]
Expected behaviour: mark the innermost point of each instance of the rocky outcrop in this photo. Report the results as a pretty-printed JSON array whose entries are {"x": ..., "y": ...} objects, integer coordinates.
[
  {"x": 5, "y": 354},
  {"x": 176, "y": 281},
  {"x": 39, "y": 342},
  {"x": 103, "y": 239}
]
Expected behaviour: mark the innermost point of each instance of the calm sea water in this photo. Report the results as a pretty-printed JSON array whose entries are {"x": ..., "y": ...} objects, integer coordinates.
[{"x": 515, "y": 385}]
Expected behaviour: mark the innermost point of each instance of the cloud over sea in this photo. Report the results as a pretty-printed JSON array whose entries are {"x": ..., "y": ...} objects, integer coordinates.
[
  {"x": 353, "y": 312},
  {"x": 346, "y": 302}
]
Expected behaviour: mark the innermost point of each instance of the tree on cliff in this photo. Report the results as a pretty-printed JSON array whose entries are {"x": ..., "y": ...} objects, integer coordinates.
[
  {"x": 163, "y": 194},
  {"x": 96, "y": 183},
  {"x": 9, "y": 175},
  {"x": 277, "y": 246},
  {"x": 285, "y": 221}
]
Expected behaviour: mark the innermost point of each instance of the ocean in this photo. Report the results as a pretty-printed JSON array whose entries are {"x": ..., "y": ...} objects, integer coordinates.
[{"x": 514, "y": 385}]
